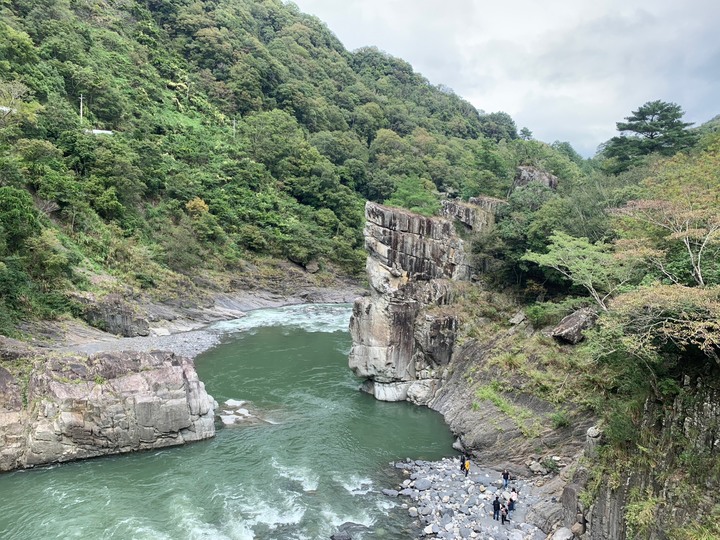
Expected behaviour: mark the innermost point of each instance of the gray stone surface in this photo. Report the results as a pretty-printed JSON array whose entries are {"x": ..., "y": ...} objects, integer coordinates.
[
  {"x": 526, "y": 174},
  {"x": 75, "y": 407},
  {"x": 452, "y": 506},
  {"x": 571, "y": 328}
]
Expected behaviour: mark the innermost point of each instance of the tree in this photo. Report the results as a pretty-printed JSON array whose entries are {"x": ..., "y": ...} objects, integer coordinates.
[
  {"x": 656, "y": 127},
  {"x": 592, "y": 266},
  {"x": 644, "y": 321},
  {"x": 416, "y": 195},
  {"x": 498, "y": 126},
  {"x": 18, "y": 217},
  {"x": 682, "y": 205}
]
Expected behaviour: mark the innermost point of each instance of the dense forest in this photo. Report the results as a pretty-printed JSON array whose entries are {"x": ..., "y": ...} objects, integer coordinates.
[
  {"x": 153, "y": 140},
  {"x": 156, "y": 140}
]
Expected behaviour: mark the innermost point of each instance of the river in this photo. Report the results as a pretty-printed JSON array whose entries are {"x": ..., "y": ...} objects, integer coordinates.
[{"x": 316, "y": 456}]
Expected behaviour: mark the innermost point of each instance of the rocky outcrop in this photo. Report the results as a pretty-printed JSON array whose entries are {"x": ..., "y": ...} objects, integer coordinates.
[
  {"x": 527, "y": 174},
  {"x": 477, "y": 214},
  {"x": 683, "y": 438},
  {"x": 112, "y": 314},
  {"x": 62, "y": 408},
  {"x": 397, "y": 344}
]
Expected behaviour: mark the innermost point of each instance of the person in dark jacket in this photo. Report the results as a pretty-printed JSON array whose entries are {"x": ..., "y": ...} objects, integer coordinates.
[{"x": 496, "y": 508}]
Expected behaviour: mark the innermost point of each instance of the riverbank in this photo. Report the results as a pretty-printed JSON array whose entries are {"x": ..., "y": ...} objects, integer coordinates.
[
  {"x": 184, "y": 331},
  {"x": 447, "y": 504}
]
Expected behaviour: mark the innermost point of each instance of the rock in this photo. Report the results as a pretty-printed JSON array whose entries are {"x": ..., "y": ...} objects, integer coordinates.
[
  {"x": 79, "y": 407},
  {"x": 571, "y": 327},
  {"x": 421, "y": 392},
  {"x": 518, "y": 318},
  {"x": 578, "y": 529},
  {"x": 423, "y": 484},
  {"x": 562, "y": 534},
  {"x": 410, "y": 257},
  {"x": 390, "y": 492},
  {"x": 593, "y": 438},
  {"x": 348, "y": 529},
  {"x": 312, "y": 267},
  {"x": 113, "y": 314},
  {"x": 476, "y": 215},
  {"x": 526, "y": 174}
]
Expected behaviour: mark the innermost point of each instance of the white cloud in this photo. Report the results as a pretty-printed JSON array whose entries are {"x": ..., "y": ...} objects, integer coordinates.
[{"x": 566, "y": 69}]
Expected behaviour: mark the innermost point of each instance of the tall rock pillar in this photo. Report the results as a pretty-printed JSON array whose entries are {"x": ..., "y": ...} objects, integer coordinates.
[{"x": 411, "y": 262}]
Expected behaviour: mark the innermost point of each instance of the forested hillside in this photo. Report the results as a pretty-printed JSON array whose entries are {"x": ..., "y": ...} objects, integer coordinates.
[{"x": 240, "y": 129}]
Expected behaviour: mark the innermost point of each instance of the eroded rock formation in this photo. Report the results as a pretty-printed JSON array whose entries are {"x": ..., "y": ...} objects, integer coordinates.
[
  {"x": 526, "y": 174},
  {"x": 56, "y": 408},
  {"x": 410, "y": 259},
  {"x": 398, "y": 344}
]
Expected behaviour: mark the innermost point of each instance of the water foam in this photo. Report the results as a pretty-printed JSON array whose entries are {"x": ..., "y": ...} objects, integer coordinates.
[
  {"x": 309, "y": 317},
  {"x": 355, "y": 484},
  {"x": 302, "y": 475}
]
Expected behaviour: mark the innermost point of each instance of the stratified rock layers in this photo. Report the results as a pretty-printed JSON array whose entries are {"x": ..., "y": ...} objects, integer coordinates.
[
  {"x": 397, "y": 342},
  {"x": 68, "y": 408}
]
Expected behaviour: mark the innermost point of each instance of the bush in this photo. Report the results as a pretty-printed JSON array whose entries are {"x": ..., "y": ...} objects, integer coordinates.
[
  {"x": 560, "y": 419},
  {"x": 551, "y": 313}
]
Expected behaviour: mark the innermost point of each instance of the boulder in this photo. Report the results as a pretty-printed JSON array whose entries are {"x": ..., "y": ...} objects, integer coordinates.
[
  {"x": 571, "y": 327},
  {"x": 563, "y": 533}
]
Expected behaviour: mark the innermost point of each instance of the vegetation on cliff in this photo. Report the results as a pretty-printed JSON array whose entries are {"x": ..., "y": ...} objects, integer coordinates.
[{"x": 645, "y": 254}]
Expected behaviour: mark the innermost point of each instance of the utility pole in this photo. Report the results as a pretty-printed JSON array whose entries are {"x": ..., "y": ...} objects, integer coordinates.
[{"x": 81, "y": 108}]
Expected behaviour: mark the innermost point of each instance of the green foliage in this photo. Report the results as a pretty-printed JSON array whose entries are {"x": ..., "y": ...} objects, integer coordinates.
[
  {"x": 560, "y": 420},
  {"x": 416, "y": 195},
  {"x": 641, "y": 513},
  {"x": 656, "y": 127},
  {"x": 550, "y": 313},
  {"x": 521, "y": 417},
  {"x": 592, "y": 266}
]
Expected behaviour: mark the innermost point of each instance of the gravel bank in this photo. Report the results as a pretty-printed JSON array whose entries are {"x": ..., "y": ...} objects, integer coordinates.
[{"x": 448, "y": 505}]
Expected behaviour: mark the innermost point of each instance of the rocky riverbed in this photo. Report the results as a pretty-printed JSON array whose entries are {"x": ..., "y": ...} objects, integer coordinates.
[{"x": 447, "y": 504}]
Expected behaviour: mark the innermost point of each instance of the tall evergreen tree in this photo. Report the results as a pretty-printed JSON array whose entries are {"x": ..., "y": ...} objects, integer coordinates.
[{"x": 656, "y": 127}]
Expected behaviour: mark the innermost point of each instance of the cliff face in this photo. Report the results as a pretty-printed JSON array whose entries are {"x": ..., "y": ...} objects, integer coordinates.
[
  {"x": 65, "y": 408},
  {"x": 398, "y": 345},
  {"x": 674, "y": 475}
]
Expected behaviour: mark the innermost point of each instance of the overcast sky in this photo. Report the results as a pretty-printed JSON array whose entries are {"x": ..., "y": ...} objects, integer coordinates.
[{"x": 566, "y": 69}]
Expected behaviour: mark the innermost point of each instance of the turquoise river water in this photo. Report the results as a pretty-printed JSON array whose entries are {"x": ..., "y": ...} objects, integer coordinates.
[{"x": 318, "y": 458}]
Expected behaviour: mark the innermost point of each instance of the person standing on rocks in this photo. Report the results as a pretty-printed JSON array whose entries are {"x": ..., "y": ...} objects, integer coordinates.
[
  {"x": 504, "y": 514},
  {"x": 496, "y": 508},
  {"x": 506, "y": 478},
  {"x": 466, "y": 466},
  {"x": 513, "y": 500},
  {"x": 462, "y": 462}
]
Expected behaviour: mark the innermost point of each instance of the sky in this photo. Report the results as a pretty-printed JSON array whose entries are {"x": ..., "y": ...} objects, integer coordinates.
[{"x": 566, "y": 69}]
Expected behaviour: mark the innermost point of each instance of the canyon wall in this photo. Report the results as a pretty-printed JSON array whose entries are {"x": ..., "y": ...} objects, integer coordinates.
[{"x": 405, "y": 346}]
